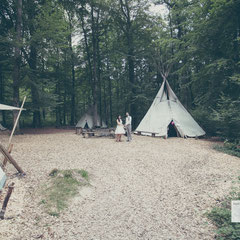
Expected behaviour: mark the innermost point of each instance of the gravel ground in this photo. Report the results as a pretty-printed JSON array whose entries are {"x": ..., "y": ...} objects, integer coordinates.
[{"x": 150, "y": 188}]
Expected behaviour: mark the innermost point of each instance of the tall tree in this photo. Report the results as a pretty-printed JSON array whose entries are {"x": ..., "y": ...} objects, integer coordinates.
[{"x": 17, "y": 57}]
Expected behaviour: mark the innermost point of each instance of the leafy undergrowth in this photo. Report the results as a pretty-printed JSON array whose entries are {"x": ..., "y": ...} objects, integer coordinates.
[
  {"x": 229, "y": 148},
  {"x": 61, "y": 187},
  {"x": 221, "y": 218}
]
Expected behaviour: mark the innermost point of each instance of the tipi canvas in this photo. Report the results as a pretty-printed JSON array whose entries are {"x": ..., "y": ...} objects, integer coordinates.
[
  {"x": 7, "y": 107},
  {"x": 167, "y": 109},
  {"x": 86, "y": 121}
]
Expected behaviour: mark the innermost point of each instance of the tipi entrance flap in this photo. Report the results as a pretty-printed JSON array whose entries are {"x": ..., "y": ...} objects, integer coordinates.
[{"x": 172, "y": 130}]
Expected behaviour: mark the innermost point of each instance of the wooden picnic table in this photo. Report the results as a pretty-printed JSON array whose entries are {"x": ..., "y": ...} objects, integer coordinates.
[
  {"x": 88, "y": 134},
  {"x": 97, "y": 132}
]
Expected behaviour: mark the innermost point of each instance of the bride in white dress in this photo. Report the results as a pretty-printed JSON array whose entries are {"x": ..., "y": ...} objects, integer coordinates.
[{"x": 119, "y": 130}]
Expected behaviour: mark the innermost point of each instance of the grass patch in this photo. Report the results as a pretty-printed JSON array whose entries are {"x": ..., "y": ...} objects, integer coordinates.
[
  {"x": 84, "y": 174},
  {"x": 62, "y": 186},
  {"x": 228, "y": 148},
  {"x": 221, "y": 218}
]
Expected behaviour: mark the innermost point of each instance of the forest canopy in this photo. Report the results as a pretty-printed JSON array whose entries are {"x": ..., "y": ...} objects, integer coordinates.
[{"x": 67, "y": 55}]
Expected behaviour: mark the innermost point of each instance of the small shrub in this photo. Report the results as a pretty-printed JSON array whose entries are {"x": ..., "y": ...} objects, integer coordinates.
[
  {"x": 42, "y": 202},
  {"x": 204, "y": 118},
  {"x": 68, "y": 174},
  {"x": 84, "y": 173},
  {"x": 54, "y": 214},
  {"x": 229, "y": 148},
  {"x": 221, "y": 218}
]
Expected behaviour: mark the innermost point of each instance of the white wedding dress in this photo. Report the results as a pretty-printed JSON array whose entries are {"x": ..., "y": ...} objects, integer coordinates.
[{"x": 119, "y": 129}]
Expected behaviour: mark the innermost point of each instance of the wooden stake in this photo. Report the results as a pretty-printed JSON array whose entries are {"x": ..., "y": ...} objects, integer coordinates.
[
  {"x": 5, "y": 203},
  {"x": 10, "y": 159},
  {"x": 5, "y": 159}
]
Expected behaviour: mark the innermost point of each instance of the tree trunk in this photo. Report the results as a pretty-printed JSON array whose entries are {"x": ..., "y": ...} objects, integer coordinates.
[
  {"x": 90, "y": 70},
  {"x": 131, "y": 74},
  {"x": 110, "y": 100},
  {"x": 58, "y": 110},
  {"x": 32, "y": 62},
  {"x": 130, "y": 57},
  {"x": 95, "y": 76},
  {"x": 99, "y": 78},
  {"x": 17, "y": 60},
  {"x": 110, "y": 95},
  {"x": 65, "y": 80},
  {"x": 2, "y": 94},
  {"x": 72, "y": 122},
  {"x": 105, "y": 102},
  {"x": 73, "y": 104},
  {"x": 34, "y": 91},
  {"x": 65, "y": 103}
]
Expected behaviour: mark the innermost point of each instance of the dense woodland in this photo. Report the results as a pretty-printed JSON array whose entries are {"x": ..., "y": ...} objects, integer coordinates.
[{"x": 66, "y": 55}]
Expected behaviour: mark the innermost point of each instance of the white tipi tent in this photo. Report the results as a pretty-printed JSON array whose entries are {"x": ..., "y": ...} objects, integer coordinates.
[
  {"x": 86, "y": 121},
  {"x": 165, "y": 109}
]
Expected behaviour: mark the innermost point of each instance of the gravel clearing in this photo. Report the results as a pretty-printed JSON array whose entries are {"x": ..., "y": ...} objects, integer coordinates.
[{"x": 150, "y": 188}]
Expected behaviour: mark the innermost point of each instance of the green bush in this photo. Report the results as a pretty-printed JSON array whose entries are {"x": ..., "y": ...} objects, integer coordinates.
[
  {"x": 221, "y": 218},
  {"x": 222, "y": 120},
  {"x": 227, "y": 117},
  {"x": 229, "y": 148},
  {"x": 203, "y": 117}
]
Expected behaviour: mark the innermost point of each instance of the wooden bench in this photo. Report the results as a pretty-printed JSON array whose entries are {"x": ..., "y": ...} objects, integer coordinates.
[
  {"x": 88, "y": 134},
  {"x": 98, "y": 132},
  {"x": 152, "y": 134}
]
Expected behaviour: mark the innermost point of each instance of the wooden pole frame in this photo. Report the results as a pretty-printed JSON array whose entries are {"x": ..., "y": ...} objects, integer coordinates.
[
  {"x": 5, "y": 203},
  {"x": 16, "y": 122},
  {"x": 11, "y": 160},
  {"x": 6, "y": 159},
  {"x": 7, "y": 156}
]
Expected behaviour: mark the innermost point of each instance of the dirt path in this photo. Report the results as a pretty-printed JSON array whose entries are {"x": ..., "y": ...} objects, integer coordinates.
[{"x": 150, "y": 188}]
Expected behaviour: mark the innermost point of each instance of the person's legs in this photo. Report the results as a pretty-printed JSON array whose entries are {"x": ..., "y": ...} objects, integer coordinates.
[
  {"x": 130, "y": 132},
  {"x": 120, "y": 135},
  {"x": 128, "y": 128}
]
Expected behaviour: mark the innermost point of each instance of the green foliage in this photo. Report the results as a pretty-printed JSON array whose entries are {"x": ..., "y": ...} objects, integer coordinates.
[
  {"x": 221, "y": 217},
  {"x": 84, "y": 174},
  {"x": 203, "y": 117},
  {"x": 231, "y": 148},
  {"x": 227, "y": 116},
  {"x": 210, "y": 53}
]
